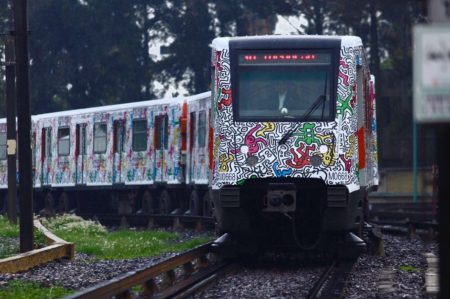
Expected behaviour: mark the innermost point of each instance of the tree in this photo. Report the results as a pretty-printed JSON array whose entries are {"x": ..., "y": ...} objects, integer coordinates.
[
  {"x": 85, "y": 53},
  {"x": 188, "y": 24},
  {"x": 6, "y": 26}
]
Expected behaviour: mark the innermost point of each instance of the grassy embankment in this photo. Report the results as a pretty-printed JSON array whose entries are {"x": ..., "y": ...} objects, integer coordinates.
[{"x": 93, "y": 239}]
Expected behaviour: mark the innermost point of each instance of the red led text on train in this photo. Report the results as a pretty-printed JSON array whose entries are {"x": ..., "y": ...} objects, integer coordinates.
[{"x": 280, "y": 57}]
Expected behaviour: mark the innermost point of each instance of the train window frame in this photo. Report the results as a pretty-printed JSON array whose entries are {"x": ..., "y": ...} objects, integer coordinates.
[
  {"x": 139, "y": 137},
  {"x": 3, "y": 146},
  {"x": 259, "y": 46},
  {"x": 63, "y": 144},
  {"x": 100, "y": 137},
  {"x": 201, "y": 129}
]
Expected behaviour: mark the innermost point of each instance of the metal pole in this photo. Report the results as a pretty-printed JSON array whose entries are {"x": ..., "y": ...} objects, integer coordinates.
[
  {"x": 11, "y": 127},
  {"x": 414, "y": 135},
  {"x": 443, "y": 211},
  {"x": 24, "y": 126}
]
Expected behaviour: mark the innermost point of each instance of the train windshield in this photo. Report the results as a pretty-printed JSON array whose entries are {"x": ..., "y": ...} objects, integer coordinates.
[{"x": 284, "y": 86}]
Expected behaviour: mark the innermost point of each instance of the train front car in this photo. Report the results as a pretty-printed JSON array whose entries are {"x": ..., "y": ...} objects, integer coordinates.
[{"x": 294, "y": 136}]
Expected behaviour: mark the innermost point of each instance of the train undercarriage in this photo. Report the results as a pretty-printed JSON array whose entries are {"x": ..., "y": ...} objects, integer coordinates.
[
  {"x": 304, "y": 213},
  {"x": 158, "y": 199}
]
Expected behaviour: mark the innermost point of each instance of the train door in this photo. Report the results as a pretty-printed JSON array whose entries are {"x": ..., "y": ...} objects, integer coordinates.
[
  {"x": 80, "y": 154},
  {"x": 202, "y": 153},
  {"x": 193, "y": 137},
  {"x": 118, "y": 149},
  {"x": 361, "y": 116},
  {"x": 161, "y": 146},
  {"x": 46, "y": 156}
]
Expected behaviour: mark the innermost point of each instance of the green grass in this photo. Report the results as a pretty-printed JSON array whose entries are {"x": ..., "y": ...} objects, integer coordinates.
[
  {"x": 18, "y": 289},
  {"x": 93, "y": 239},
  {"x": 408, "y": 268},
  {"x": 10, "y": 233},
  {"x": 8, "y": 230}
]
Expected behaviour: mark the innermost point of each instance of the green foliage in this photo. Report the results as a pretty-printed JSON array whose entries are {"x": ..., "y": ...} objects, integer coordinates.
[
  {"x": 10, "y": 234},
  {"x": 18, "y": 289},
  {"x": 92, "y": 238},
  {"x": 85, "y": 54},
  {"x": 408, "y": 268},
  {"x": 7, "y": 229}
]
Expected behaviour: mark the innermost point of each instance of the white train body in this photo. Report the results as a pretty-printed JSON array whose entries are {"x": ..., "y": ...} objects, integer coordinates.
[{"x": 326, "y": 141}]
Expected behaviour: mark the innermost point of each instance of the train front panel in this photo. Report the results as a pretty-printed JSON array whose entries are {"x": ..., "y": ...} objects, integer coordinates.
[{"x": 286, "y": 131}]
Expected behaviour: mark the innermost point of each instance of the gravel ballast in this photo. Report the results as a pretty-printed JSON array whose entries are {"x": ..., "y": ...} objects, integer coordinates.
[{"x": 402, "y": 269}]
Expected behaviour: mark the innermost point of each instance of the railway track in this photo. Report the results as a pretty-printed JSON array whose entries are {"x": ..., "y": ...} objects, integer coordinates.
[
  {"x": 332, "y": 282},
  {"x": 176, "y": 277},
  {"x": 152, "y": 220}
]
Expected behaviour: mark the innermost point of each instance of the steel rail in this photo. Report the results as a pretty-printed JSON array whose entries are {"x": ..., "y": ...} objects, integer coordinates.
[
  {"x": 318, "y": 286},
  {"x": 332, "y": 282},
  {"x": 169, "y": 286},
  {"x": 153, "y": 220}
]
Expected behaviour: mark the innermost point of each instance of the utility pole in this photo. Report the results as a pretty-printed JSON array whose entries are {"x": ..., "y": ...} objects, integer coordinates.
[
  {"x": 24, "y": 125},
  {"x": 432, "y": 107},
  {"x": 11, "y": 127}
]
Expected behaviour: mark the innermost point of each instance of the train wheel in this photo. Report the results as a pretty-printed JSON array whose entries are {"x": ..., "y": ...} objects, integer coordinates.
[
  {"x": 194, "y": 203},
  {"x": 207, "y": 205},
  {"x": 63, "y": 203},
  {"x": 146, "y": 203},
  {"x": 165, "y": 203},
  {"x": 48, "y": 206}
]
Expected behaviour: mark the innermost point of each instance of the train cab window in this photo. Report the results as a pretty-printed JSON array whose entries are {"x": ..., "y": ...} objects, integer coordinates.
[
  {"x": 63, "y": 141},
  {"x": 100, "y": 138},
  {"x": 201, "y": 136},
  {"x": 139, "y": 135},
  {"x": 161, "y": 132},
  {"x": 284, "y": 85},
  {"x": 2, "y": 145}
]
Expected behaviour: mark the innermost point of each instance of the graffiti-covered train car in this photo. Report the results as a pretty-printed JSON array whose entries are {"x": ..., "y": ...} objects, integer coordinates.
[
  {"x": 146, "y": 153},
  {"x": 294, "y": 145}
]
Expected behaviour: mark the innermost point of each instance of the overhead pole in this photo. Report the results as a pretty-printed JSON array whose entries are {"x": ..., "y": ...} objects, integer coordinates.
[
  {"x": 24, "y": 125},
  {"x": 10, "y": 75}
]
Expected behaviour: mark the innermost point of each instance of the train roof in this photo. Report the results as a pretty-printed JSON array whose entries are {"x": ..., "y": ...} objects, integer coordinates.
[
  {"x": 163, "y": 101},
  {"x": 345, "y": 40}
]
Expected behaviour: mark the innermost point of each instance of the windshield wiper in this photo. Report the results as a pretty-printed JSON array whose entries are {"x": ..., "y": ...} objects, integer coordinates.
[{"x": 319, "y": 101}]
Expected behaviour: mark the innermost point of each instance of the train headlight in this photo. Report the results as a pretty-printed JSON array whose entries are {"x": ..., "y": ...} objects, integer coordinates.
[
  {"x": 275, "y": 201},
  {"x": 287, "y": 199},
  {"x": 316, "y": 160},
  {"x": 251, "y": 160}
]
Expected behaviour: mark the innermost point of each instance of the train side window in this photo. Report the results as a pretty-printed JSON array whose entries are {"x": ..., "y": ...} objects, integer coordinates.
[
  {"x": 63, "y": 141},
  {"x": 100, "y": 139},
  {"x": 2, "y": 145},
  {"x": 161, "y": 132},
  {"x": 201, "y": 136},
  {"x": 139, "y": 135}
]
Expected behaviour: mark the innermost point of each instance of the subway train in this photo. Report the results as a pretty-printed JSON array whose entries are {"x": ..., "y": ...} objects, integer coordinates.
[
  {"x": 295, "y": 143},
  {"x": 141, "y": 157},
  {"x": 284, "y": 144}
]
